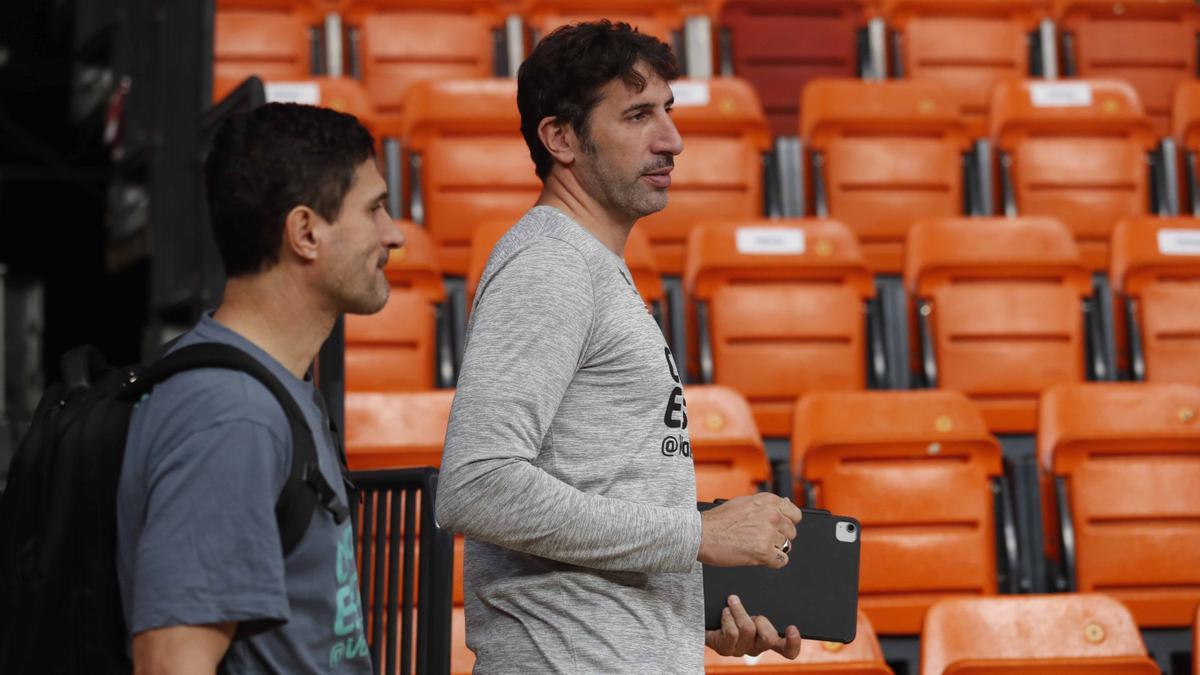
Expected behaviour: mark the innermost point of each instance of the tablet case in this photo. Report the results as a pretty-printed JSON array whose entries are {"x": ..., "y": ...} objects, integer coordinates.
[{"x": 817, "y": 591}]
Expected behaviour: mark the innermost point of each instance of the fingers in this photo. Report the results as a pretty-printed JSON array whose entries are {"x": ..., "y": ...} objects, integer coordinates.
[
  {"x": 790, "y": 510},
  {"x": 790, "y": 644},
  {"x": 745, "y": 626},
  {"x": 766, "y": 636},
  {"x": 777, "y": 560},
  {"x": 728, "y": 636}
]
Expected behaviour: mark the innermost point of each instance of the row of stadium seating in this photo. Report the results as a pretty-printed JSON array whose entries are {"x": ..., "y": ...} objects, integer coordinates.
[
  {"x": 880, "y": 155},
  {"x": 1001, "y": 309},
  {"x": 967, "y": 44},
  {"x": 922, "y": 473}
]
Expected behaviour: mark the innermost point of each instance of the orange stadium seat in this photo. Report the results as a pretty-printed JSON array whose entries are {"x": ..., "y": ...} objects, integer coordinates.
[
  {"x": 967, "y": 45},
  {"x": 999, "y": 304},
  {"x": 396, "y": 349},
  {"x": 1149, "y": 43},
  {"x": 1156, "y": 271},
  {"x": 394, "y": 430},
  {"x": 403, "y": 42},
  {"x": 884, "y": 154},
  {"x": 863, "y": 656},
  {"x": 1033, "y": 634},
  {"x": 783, "y": 298},
  {"x": 639, "y": 258},
  {"x": 661, "y": 18},
  {"x": 727, "y": 449},
  {"x": 917, "y": 469},
  {"x": 759, "y": 38},
  {"x": 1076, "y": 151},
  {"x": 1196, "y": 642},
  {"x": 343, "y": 94},
  {"x": 1185, "y": 128},
  {"x": 720, "y": 173},
  {"x": 474, "y": 166},
  {"x": 1122, "y": 462},
  {"x": 269, "y": 39}
]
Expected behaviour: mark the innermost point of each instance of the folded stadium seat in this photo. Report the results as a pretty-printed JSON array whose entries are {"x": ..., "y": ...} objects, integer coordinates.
[
  {"x": 923, "y": 475},
  {"x": 470, "y": 162},
  {"x": 1185, "y": 129},
  {"x": 661, "y": 18},
  {"x": 884, "y": 154},
  {"x": 1149, "y": 43},
  {"x": 720, "y": 173},
  {"x": 639, "y": 258},
  {"x": 758, "y": 44},
  {"x": 1076, "y": 151},
  {"x": 397, "y": 43},
  {"x": 727, "y": 449},
  {"x": 397, "y": 349},
  {"x": 999, "y": 311},
  {"x": 1156, "y": 272},
  {"x": 272, "y": 39},
  {"x": 397, "y": 429},
  {"x": 968, "y": 45},
  {"x": 779, "y": 311},
  {"x": 1041, "y": 634},
  {"x": 863, "y": 656},
  {"x": 1122, "y": 462}
]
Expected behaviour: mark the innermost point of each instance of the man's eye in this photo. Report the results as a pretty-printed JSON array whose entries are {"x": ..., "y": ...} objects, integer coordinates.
[{"x": 638, "y": 117}]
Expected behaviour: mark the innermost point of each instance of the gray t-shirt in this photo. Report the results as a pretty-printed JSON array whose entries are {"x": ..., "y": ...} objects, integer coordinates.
[
  {"x": 568, "y": 467},
  {"x": 197, "y": 541}
]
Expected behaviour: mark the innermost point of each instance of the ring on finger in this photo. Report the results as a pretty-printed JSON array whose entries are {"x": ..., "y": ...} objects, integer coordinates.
[{"x": 786, "y": 546}]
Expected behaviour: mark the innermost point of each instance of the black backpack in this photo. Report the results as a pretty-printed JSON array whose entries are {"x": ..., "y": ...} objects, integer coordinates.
[{"x": 60, "y": 603}]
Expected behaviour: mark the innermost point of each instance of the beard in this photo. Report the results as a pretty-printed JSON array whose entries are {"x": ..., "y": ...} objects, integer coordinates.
[
  {"x": 355, "y": 294},
  {"x": 625, "y": 192}
]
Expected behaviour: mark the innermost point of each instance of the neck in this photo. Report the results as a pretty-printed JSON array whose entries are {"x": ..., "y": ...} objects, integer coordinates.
[
  {"x": 563, "y": 191},
  {"x": 272, "y": 309}
]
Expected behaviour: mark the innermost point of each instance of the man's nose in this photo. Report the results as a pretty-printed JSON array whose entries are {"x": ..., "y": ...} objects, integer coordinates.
[
  {"x": 668, "y": 139},
  {"x": 392, "y": 236}
]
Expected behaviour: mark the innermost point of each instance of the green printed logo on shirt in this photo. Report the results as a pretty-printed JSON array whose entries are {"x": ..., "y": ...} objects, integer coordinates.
[{"x": 348, "y": 625}]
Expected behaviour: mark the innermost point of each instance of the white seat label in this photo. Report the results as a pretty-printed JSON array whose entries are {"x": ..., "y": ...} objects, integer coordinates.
[
  {"x": 770, "y": 240},
  {"x": 307, "y": 93},
  {"x": 1060, "y": 94},
  {"x": 1179, "y": 242},
  {"x": 690, "y": 94}
]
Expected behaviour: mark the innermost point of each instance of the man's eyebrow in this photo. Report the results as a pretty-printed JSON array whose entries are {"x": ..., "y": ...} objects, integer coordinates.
[
  {"x": 379, "y": 197},
  {"x": 647, "y": 105}
]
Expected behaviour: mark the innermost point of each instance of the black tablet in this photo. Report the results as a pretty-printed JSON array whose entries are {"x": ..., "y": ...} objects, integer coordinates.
[{"x": 817, "y": 591}]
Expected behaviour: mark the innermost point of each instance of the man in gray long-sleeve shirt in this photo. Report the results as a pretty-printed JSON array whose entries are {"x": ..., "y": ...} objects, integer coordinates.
[{"x": 567, "y": 461}]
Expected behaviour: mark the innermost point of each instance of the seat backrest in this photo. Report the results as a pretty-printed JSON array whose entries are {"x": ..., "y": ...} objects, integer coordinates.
[
  {"x": 1185, "y": 116},
  {"x": 1149, "y": 43},
  {"x": 343, "y": 94},
  {"x": 270, "y": 42},
  {"x": 967, "y": 45},
  {"x": 1130, "y": 457},
  {"x": 785, "y": 298},
  {"x": 726, "y": 441},
  {"x": 1078, "y": 153},
  {"x": 890, "y": 152},
  {"x": 1076, "y": 633},
  {"x": 399, "y": 429},
  {"x": 1156, "y": 265},
  {"x": 863, "y": 656},
  {"x": 1003, "y": 298},
  {"x": 403, "y": 42},
  {"x": 474, "y": 164},
  {"x": 661, "y": 18},
  {"x": 766, "y": 54},
  {"x": 415, "y": 265},
  {"x": 720, "y": 173},
  {"x": 915, "y": 468}
]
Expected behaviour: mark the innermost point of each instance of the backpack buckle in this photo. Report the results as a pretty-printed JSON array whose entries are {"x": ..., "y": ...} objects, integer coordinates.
[{"x": 325, "y": 494}]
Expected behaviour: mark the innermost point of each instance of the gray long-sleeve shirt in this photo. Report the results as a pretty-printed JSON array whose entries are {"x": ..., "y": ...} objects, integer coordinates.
[{"x": 568, "y": 467}]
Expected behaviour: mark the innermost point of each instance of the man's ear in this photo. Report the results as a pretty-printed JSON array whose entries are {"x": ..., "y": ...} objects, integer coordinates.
[
  {"x": 558, "y": 139},
  {"x": 300, "y": 234}
]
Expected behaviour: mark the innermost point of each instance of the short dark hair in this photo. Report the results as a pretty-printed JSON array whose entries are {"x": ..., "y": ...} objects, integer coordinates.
[
  {"x": 265, "y": 162},
  {"x": 563, "y": 76}
]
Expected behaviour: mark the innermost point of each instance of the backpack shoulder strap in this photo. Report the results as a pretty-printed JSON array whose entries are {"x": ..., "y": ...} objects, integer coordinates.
[{"x": 305, "y": 487}]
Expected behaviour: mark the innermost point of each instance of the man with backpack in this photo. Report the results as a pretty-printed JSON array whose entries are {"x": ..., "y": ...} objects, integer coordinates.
[{"x": 207, "y": 579}]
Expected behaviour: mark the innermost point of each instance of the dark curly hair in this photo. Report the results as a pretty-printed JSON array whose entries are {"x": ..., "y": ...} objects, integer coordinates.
[
  {"x": 563, "y": 76},
  {"x": 264, "y": 163}
]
